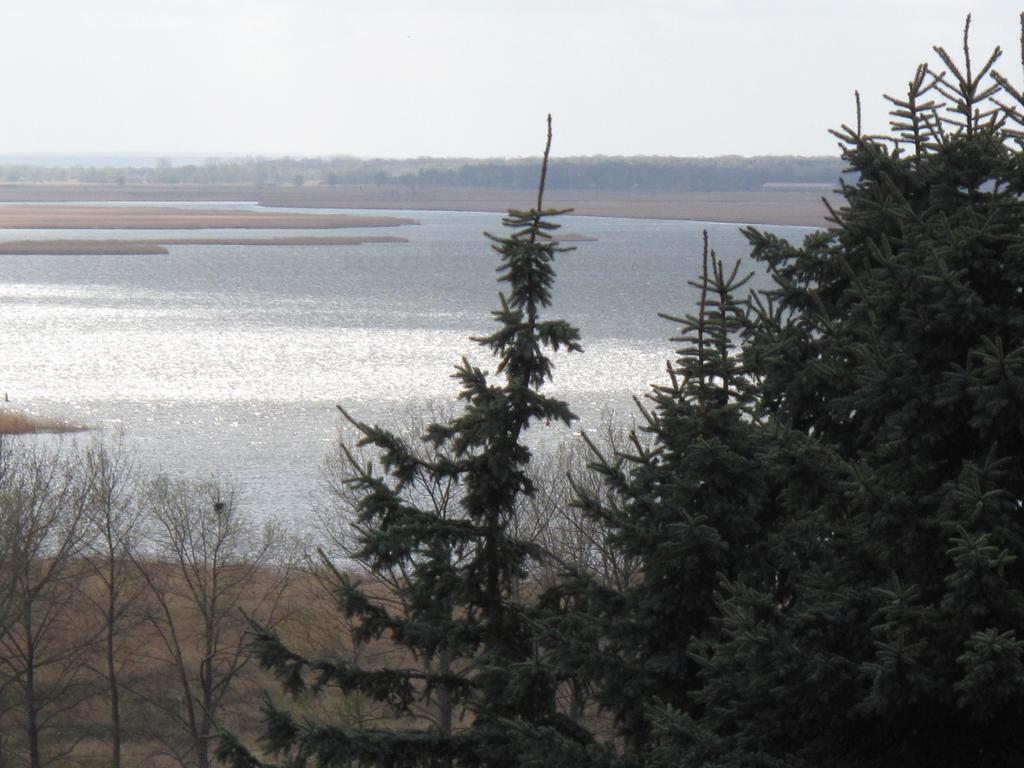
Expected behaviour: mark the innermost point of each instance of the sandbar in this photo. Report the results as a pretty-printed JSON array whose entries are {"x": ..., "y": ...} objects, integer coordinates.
[
  {"x": 789, "y": 206},
  {"x": 153, "y": 217},
  {"x": 338, "y": 240},
  {"x": 147, "y": 247},
  {"x": 77, "y": 247}
]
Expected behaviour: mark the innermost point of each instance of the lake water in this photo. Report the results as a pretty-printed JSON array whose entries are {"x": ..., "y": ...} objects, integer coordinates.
[{"x": 229, "y": 360}]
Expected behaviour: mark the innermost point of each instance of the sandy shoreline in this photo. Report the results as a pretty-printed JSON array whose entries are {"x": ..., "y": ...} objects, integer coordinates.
[
  {"x": 146, "y": 247},
  {"x": 786, "y": 207}
]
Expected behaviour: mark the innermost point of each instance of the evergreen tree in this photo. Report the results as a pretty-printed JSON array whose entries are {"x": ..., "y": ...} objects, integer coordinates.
[
  {"x": 692, "y": 503},
  {"x": 463, "y": 622},
  {"x": 893, "y": 345}
]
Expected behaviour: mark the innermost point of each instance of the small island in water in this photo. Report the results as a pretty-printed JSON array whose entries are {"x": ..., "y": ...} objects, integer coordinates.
[{"x": 15, "y": 422}]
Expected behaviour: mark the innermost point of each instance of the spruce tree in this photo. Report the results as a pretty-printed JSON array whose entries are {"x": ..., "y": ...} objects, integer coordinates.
[
  {"x": 463, "y": 621},
  {"x": 692, "y": 503},
  {"x": 892, "y": 345}
]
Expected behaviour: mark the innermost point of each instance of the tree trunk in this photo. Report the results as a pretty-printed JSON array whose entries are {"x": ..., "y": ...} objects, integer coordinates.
[
  {"x": 31, "y": 710},
  {"x": 206, "y": 681},
  {"x": 115, "y": 705},
  {"x": 444, "y": 696}
]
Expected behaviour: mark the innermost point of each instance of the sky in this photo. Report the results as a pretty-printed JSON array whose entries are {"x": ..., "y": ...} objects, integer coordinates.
[{"x": 466, "y": 78}]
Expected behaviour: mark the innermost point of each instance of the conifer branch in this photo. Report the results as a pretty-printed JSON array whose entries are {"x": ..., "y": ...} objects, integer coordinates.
[
  {"x": 834, "y": 214},
  {"x": 651, "y": 419}
]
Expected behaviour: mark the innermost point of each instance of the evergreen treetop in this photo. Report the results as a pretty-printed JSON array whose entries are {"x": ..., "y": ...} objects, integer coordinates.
[
  {"x": 471, "y": 658},
  {"x": 893, "y": 344}
]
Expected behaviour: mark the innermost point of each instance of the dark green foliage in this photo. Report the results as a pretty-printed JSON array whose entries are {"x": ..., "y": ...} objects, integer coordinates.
[
  {"x": 694, "y": 504},
  {"x": 461, "y": 624},
  {"x": 893, "y": 343},
  {"x": 829, "y": 524}
]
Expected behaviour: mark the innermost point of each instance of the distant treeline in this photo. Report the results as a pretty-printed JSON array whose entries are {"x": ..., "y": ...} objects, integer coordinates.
[{"x": 656, "y": 174}]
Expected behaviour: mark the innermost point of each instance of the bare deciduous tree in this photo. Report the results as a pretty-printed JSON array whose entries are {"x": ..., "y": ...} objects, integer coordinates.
[
  {"x": 44, "y": 646},
  {"x": 114, "y": 517},
  {"x": 208, "y": 568},
  {"x": 568, "y": 537}
]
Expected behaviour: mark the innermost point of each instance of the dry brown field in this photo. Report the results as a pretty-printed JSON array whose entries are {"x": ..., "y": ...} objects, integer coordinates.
[{"x": 306, "y": 618}]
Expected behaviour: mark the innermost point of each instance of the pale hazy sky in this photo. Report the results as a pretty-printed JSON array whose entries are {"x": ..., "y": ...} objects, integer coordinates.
[{"x": 398, "y": 78}]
